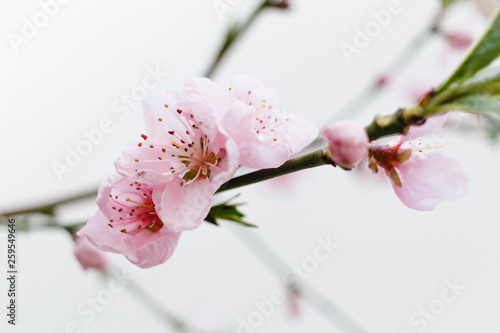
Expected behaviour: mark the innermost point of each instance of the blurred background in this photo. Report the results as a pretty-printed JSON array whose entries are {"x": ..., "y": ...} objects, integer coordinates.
[{"x": 86, "y": 65}]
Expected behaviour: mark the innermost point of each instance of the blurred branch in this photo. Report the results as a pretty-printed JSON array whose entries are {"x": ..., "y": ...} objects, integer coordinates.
[
  {"x": 398, "y": 65},
  {"x": 48, "y": 209},
  {"x": 153, "y": 305},
  {"x": 237, "y": 30},
  {"x": 277, "y": 267}
]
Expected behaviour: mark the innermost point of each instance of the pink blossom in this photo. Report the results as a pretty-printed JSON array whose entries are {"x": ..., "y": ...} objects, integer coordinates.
[
  {"x": 421, "y": 179},
  {"x": 459, "y": 40},
  {"x": 186, "y": 149},
  {"x": 266, "y": 135},
  {"x": 89, "y": 256},
  {"x": 127, "y": 222},
  {"x": 347, "y": 143}
]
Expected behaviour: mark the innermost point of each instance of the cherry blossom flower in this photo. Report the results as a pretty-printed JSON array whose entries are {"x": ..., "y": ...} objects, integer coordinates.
[
  {"x": 266, "y": 135},
  {"x": 89, "y": 256},
  {"x": 127, "y": 222},
  {"x": 186, "y": 149},
  {"x": 421, "y": 179},
  {"x": 347, "y": 143}
]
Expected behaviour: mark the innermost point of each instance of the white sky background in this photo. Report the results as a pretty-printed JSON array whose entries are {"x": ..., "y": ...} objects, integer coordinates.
[{"x": 392, "y": 260}]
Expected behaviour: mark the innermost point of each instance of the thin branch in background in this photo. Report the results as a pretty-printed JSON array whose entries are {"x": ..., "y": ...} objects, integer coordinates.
[
  {"x": 152, "y": 304},
  {"x": 359, "y": 102},
  {"x": 237, "y": 30},
  {"x": 49, "y": 209},
  {"x": 277, "y": 267}
]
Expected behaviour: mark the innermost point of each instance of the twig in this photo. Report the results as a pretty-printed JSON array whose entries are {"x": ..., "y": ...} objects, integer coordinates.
[
  {"x": 236, "y": 31},
  {"x": 275, "y": 265}
]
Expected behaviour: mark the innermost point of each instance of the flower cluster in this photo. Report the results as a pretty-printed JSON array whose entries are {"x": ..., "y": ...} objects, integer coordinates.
[
  {"x": 194, "y": 142},
  {"x": 420, "y": 179}
]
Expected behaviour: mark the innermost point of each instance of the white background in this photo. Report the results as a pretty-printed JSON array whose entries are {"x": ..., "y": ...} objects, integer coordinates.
[{"x": 392, "y": 260}]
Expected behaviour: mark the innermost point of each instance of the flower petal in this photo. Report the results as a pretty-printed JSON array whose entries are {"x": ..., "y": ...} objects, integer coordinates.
[
  {"x": 428, "y": 181},
  {"x": 256, "y": 150},
  {"x": 201, "y": 93},
  {"x": 302, "y": 132},
  {"x": 432, "y": 124},
  {"x": 184, "y": 207}
]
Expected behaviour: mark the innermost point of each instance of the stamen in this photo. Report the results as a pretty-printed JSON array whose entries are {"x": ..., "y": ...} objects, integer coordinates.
[
  {"x": 261, "y": 107},
  {"x": 424, "y": 148}
]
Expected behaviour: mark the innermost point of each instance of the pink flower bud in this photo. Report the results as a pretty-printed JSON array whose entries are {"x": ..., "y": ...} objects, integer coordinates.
[
  {"x": 89, "y": 256},
  {"x": 347, "y": 143}
]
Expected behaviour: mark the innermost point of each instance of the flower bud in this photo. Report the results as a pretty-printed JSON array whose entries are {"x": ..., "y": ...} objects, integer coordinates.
[{"x": 347, "y": 143}]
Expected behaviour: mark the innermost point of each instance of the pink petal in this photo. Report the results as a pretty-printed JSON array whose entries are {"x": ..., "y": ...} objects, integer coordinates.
[
  {"x": 143, "y": 249},
  {"x": 256, "y": 150},
  {"x": 428, "y": 181},
  {"x": 184, "y": 207},
  {"x": 251, "y": 91},
  {"x": 201, "y": 93},
  {"x": 302, "y": 132},
  {"x": 155, "y": 108},
  {"x": 142, "y": 164},
  {"x": 432, "y": 124},
  {"x": 89, "y": 256}
]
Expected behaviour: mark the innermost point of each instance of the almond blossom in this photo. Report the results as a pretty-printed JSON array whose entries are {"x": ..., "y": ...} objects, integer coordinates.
[
  {"x": 187, "y": 150},
  {"x": 420, "y": 178},
  {"x": 127, "y": 222},
  {"x": 266, "y": 135}
]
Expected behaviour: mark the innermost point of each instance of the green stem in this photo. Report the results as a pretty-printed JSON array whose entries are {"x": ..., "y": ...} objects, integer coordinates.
[
  {"x": 311, "y": 160},
  {"x": 234, "y": 33}
]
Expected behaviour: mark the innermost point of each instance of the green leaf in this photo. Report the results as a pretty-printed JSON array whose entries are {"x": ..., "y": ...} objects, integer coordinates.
[
  {"x": 228, "y": 212},
  {"x": 446, "y": 3},
  {"x": 474, "y": 103},
  {"x": 484, "y": 82},
  {"x": 482, "y": 54}
]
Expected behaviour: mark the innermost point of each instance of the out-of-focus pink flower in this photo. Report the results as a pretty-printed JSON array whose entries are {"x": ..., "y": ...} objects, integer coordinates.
[
  {"x": 347, "y": 143},
  {"x": 89, "y": 256},
  {"x": 127, "y": 222},
  {"x": 459, "y": 40},
  {"x": 186, "y": 149},
  {"x": 421, "y": 180},
  {"x": 266, "y": 135}
]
